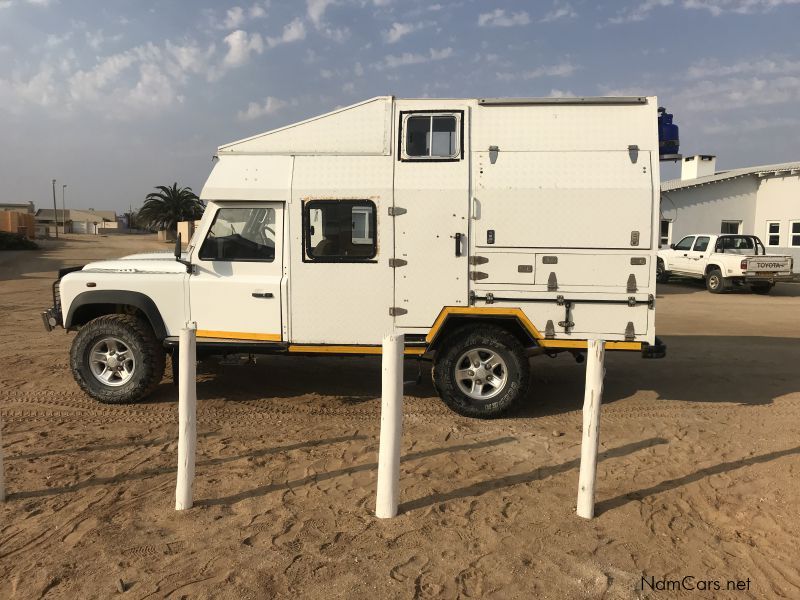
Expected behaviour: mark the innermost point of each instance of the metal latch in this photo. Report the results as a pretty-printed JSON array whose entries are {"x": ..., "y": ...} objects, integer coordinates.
[
  {"x": 560, "y": 300},
  {"x": 651, "y": 301},
  {"x": 396, "y": 311},
  {"x": 395, "y": 211},
  {"x": 631, "y": 301},
  {"x": 397, "y": 262},
  {"x": 552, "y": 282},
  {"x": 489, "y": 298}
]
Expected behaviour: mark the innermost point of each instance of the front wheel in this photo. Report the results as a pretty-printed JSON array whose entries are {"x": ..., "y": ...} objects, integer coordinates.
[
  {"x": 117, "y": 359},
  {"x": 481, "y": 372},
  {"x": 662, "y": 275},
  {"x": 715, "y": 282}
]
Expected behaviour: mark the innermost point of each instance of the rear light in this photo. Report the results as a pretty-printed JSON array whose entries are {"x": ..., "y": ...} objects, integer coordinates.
[{"x": 743, "y": 265}]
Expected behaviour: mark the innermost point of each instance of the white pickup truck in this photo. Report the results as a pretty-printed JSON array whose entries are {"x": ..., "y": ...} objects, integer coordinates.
[{"x": 724, "y": 261}]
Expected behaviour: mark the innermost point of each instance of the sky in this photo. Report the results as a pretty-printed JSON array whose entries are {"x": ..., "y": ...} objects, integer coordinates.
[{"x": 114, "y": 97}]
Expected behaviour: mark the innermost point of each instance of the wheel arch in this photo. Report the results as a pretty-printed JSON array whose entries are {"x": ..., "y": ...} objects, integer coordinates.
[
  {"x": 90, "y": 305},
  {"x": 512, "y": 320},
  {"x": 712, "y": 266}
]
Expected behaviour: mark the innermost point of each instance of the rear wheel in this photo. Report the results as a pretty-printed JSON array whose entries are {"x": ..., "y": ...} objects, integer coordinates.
[
  {"x": 662, "y": 275},
  {"x": 481, "y": 372},
  {"x": 761, "y": 288},
  {"x": 715, "y": 282},
  {"x": 117, "y": 359}
]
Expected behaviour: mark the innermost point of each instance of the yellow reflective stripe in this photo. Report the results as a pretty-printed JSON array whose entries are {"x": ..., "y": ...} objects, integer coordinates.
[
  {"x": 582, "y": 344},
  {"x": 348, "y": 349},
  {"x": 239, "y": 335}
]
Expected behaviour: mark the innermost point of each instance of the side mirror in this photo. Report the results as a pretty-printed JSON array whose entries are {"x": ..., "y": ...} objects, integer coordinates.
[
  {"x": 672, "y": 246},
  {"x": 178, "y": 253}
]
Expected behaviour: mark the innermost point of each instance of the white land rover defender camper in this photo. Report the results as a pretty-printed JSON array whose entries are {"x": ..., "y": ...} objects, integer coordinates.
[{"x": 485, "y": 230}]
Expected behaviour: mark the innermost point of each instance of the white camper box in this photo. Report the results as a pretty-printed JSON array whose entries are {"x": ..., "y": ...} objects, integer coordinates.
[{"x": 534, "y": 218}]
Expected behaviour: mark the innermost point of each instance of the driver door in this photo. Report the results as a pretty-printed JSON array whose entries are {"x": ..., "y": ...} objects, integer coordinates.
[{"x": 235, "y": 290}]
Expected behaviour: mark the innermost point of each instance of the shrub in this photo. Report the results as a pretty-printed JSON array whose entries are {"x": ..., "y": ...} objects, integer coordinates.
[{"x": 14, "y": 241}]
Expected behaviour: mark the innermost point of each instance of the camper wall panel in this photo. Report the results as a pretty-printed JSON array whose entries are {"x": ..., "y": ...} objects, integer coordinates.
[
  {"x": 341, "y": 302},
  {"x": 590, "y": 270},
  {"x": 363, "y": 128},
  {"x": 563, "y": 200},
  {"x": 552, "y": 128},
  {"x": 249, "y": 178}
]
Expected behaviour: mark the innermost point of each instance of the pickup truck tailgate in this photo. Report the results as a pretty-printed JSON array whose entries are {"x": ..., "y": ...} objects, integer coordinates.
[{"x": 769, "y": 264}]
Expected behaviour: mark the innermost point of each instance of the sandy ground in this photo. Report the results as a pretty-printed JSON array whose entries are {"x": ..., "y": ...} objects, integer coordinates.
[{"x": 699, "y": 467}]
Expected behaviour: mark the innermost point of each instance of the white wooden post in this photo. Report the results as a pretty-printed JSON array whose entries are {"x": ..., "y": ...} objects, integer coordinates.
[
  {"x": 595, "y": 371},
  {"x": 2, "y": 467},
  {"x": 391, "y": 427},
  {"x": 187, "y": 415}
]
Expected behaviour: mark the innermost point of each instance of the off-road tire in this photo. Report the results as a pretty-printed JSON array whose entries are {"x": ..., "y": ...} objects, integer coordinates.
[
  {"x": 140, "y": 339},
  {"x": 482, "y": 336},
  {"x": 715, "y": 282},
  {"x": 761, "y": 288},
  {"x": 662, "y": 275}
]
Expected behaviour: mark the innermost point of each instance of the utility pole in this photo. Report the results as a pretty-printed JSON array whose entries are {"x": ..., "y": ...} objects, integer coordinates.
[
  {"x": 55, "y": 208},
  {"x": 64, "y": 207}
]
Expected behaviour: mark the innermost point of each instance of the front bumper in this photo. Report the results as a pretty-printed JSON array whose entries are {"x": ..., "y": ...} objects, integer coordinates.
[{"x": 51, "y": 319}]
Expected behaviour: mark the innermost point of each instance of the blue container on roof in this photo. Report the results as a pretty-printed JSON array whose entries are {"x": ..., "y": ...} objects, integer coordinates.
[{"x": 668, "y": 139}]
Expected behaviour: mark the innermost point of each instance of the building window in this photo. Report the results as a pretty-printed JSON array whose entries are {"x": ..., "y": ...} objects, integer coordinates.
[
  {"x": 666, "y": 233},
  {"x": 794, "y": 229},
  {"x": 773, "y": 233},
  {"x": 731, "y": 227},
  {"x": 339, "y": 230},
  {"x": 431, "y": 136},
  {"x": 241, "y": 234}
]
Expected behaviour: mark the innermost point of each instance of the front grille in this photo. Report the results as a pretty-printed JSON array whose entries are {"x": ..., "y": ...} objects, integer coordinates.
[{"x": 57, "y": 299}]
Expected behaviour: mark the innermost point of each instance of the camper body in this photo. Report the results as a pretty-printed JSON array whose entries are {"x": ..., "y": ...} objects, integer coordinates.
[{"x": 484, "y": 230}]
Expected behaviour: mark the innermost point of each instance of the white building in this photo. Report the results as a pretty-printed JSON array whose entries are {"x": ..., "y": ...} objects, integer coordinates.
[{"x": 764, "y": 201}]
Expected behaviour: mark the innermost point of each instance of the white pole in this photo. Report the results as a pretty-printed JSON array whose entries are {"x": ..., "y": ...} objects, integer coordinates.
[
  {"x": 595, "y": 371},
  {"x": 187, "y": 415},
  {"x": 2, "y": 468},
  {"x": 391, "y": 427}
]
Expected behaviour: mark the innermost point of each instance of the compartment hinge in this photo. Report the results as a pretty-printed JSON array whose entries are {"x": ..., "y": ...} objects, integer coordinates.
[
  {"x": 477, "y": 275},
  {"x": 630, "y": 332},
  {"x": 552, "y": 282},
  {"x": 396, "y": 311},
  {"x": 397, "y": 262},
  {"x": 478, "y": 260},
  {"x": 549, "y": 330},
  {"x": 651, "y": 301},
  {"x": 632, "y": 287},
  {"x": 396, "y": 211}
]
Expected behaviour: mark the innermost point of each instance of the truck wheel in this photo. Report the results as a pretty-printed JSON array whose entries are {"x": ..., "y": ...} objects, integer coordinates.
[
  {"x": 662, "y": 275},
  {"x": 117, "y": 359},
  {"x": 761, "y": 288},
  {"x": 480, "y": 372},
  {"x": 715, "y": 282}
]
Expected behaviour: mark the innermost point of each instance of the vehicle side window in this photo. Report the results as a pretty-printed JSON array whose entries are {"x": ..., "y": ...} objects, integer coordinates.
[
  {"x": 241, "y": 234},
  {"x": 701, "y": 244},
  {"x": 430, "y": 136},
  {"x": 685, "y": 243},
  {"x": 339, "y": 230}
]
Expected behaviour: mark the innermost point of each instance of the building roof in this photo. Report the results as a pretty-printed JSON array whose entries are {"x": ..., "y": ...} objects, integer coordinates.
[
  {"x": 679, "y": 184},
  {"x": 93, "y": 216},
  {"x": 24, "y": 207}
]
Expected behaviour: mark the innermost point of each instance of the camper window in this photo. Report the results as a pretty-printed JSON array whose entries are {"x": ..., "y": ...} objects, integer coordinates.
[
  {"x": 339, "y": 230},
  {"x": 241, "y": 234},
  {"x": 431, "y": 136}
]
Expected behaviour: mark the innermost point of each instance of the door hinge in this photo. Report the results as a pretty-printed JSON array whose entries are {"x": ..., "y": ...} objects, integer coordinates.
[
  {"x": 478, "y": 260},
  {"x": 397, "y": 262},
  {"x": 477, "y": 275},
  {"x": 396, "y": 211},
  {"x": 396, "y": 311}
]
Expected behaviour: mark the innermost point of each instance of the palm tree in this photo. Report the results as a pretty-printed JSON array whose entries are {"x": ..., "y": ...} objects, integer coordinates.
[{"x": 165, "y": 208}]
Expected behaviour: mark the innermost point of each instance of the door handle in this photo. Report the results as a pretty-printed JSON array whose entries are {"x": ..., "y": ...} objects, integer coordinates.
[
  {"x": 458, "y": 244},
  {"x": 686, "y": 255},
  {"x": 262, "y": 295}
]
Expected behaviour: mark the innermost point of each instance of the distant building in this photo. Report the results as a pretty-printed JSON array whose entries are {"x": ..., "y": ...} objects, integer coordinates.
[
  {"x": 18, "y": 218},
  {"x": 76, "y": 220},
  {"x": 763, "y": 201},
  {"x": 28, "y": 207}
]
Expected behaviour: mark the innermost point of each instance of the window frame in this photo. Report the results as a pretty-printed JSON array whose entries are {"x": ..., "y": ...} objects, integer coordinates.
[
  {"x": 691, "y": 245},
  {"x": 707, "y": 238},
  {"x": 406, "y": 114},
  {"x": 248, "y": 260},
  {"x": 792, "y": 234},
  {"x": 308, "y": 205},
  {"x": 738, "y": 227},
  {"x": 769, "y": 234}
]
